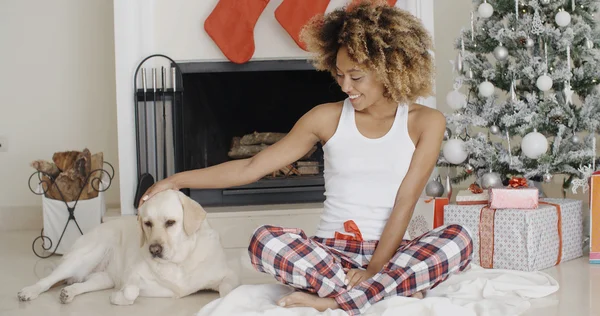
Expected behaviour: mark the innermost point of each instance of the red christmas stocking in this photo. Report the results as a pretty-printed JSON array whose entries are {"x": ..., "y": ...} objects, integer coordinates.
[
  {"x": 294, "y": 14},
  {"x": 231, "y": 27}
]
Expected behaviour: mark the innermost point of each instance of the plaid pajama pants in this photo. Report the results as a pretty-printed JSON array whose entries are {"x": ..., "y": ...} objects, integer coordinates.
[{"x": 317, "y": 264}]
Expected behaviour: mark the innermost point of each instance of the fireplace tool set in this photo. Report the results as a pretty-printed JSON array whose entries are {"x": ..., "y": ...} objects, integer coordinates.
[{"x": 156, "y": 106}]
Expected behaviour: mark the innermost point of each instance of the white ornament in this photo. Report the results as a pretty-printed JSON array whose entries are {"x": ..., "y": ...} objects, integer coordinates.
[
  {"x": 486, "y": 89},
  {"x": 529, "y": 43},
  {"x": 485, "y": 10},
  {"x": 454, "y": 151},
  {"x": 568, "y": 93},
  {"x": 537, "y": 27},
  {"x": 456, "y": 100},
  {"x": 562, "y": 18},
  {"x": 544, "y": 82},
  {"x": 534, "y": 145},
  {"x": 589, "y": 44},
  {"x": 586, "y": 172}
]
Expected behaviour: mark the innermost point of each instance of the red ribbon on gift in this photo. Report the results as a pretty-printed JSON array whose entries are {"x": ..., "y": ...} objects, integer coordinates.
[
  {"x": 438, "y": 210},
  {"x": 475, "y": 188},
  {"x": 517, "y": 182},
  {"x": 350, "y": 227},
  {"x": 486, "y": 235}
]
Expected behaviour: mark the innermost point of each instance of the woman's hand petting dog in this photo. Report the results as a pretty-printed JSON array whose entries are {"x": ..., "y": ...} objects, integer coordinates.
[{"x": 162, "y": 185}]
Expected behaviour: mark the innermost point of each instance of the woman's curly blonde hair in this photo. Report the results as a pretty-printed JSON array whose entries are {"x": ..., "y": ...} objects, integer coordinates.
[{"x": 385, "y": 39}]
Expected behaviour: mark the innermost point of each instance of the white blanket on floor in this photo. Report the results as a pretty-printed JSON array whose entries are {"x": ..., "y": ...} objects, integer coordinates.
[{"x": 478, "y": 291}]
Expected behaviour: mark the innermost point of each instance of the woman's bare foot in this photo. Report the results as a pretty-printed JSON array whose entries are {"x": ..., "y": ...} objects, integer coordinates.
[{"x": 301, "y": 299}]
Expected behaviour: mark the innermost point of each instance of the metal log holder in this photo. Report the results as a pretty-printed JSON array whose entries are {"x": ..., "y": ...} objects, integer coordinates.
[
  {"x": 94, "y": 178},
  {"x": 148, "y": 100}
]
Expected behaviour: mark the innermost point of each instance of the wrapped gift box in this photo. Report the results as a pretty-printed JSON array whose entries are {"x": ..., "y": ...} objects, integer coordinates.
[
  {"x": 595, "y": 218},
  {"x": 466, "y": 197},
  {"x": 517, "y": 239},
  {"x": 428, "y": 214},
  {"x": 514, "y": 198}
]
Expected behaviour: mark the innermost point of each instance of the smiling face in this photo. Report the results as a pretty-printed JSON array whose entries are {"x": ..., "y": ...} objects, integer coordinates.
[
  {"x": 361, "y": 85},
  {"x": 164, "y": 230}
]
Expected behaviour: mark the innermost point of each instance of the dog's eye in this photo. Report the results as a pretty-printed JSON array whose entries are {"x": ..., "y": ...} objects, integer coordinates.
[
  {"x": 170, "y": 223},
  {"x": 148, "y": 224}
]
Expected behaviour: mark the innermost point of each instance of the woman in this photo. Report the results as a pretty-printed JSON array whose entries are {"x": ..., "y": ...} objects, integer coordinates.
[{"x": 380, "y": 149}]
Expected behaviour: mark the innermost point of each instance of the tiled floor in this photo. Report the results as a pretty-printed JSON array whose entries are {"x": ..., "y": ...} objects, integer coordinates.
[{"x": 579, "y": 293}]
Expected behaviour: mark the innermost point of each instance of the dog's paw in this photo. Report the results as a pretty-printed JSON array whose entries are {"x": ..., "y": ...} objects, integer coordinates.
[
  {"x": 118, "y": 298},
  {"x": 66, "y": 295},
  {"x": 228, "y": 284},
  {"x": 29, "y": 293}
]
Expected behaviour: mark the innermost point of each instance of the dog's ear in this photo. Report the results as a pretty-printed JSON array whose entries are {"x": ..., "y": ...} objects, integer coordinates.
[
  {"x": 193, "y": 214},
  {"x": 141, "y": 232}
]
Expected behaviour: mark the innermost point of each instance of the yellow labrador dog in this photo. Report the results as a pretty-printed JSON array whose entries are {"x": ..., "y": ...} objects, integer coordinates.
[{"x": 169, "y": 251}]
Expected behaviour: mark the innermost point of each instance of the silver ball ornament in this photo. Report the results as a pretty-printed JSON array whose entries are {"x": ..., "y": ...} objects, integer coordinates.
[
  {"x": 576, "y": 139},
  {"x": 491, "y": 180},
  {"x": 494, "y": 129},
  {"x": 547, "y": 177},
  {"x": 434, "y": 189},
  {"x": 529, "y": 43},
  {"x": 469, "y": 169},
  {"x": 501, "y": 53}
]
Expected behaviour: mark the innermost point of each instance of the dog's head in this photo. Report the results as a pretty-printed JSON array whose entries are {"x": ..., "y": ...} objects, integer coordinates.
[{"x": 168, "y": 225}]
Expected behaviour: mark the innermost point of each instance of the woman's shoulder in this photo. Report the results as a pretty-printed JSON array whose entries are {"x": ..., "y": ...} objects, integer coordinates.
[
  {"x": 327, "y": 111},
  {"x": 324, "y": 119},
  {"x": 422, "y": 115}
]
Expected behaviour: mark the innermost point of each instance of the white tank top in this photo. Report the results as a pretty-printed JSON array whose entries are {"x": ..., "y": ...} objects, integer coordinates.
[{"x": 362, "y": 175}]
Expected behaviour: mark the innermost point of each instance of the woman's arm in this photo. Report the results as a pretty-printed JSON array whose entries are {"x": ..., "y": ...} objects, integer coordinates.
[
  {"x": 289, "y": 149},
  {"x": 432, "y": 124}
]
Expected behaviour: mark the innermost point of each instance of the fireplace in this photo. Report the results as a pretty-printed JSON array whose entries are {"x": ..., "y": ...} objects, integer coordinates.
[{"x": 224, "y": 102}]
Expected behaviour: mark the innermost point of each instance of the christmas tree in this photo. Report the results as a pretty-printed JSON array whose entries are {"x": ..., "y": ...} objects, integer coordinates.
[{"x": 531, "y": 107}]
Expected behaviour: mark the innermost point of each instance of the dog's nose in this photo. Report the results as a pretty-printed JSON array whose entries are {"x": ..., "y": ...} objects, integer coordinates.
[{"x": 156, "y": 250}]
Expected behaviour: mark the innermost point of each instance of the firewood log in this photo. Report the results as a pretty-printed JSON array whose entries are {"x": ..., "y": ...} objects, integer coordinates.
[
  {"x": 83, "y": 165},
  {"x": 95, "y": 178},
  {"x": 308, "y": 167},
  {"x": 64, "y": 160},
  {"x": 69, "y": 184},
  {"x": 261, "y": 138},
  {"x": 46, "y": 167},
  {"x": 245, "y": 151}
]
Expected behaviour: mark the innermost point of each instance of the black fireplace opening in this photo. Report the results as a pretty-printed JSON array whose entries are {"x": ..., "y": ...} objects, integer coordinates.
[{"x": 224, "y": 102}]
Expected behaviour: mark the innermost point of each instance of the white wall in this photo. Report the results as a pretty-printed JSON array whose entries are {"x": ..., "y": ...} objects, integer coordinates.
[
  {"x": 57, "y": 86},
  {"x": 176, "y": 29}
]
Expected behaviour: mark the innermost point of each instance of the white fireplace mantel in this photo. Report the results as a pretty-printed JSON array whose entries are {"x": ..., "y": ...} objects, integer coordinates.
[{"x": 176, "y": 29}]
